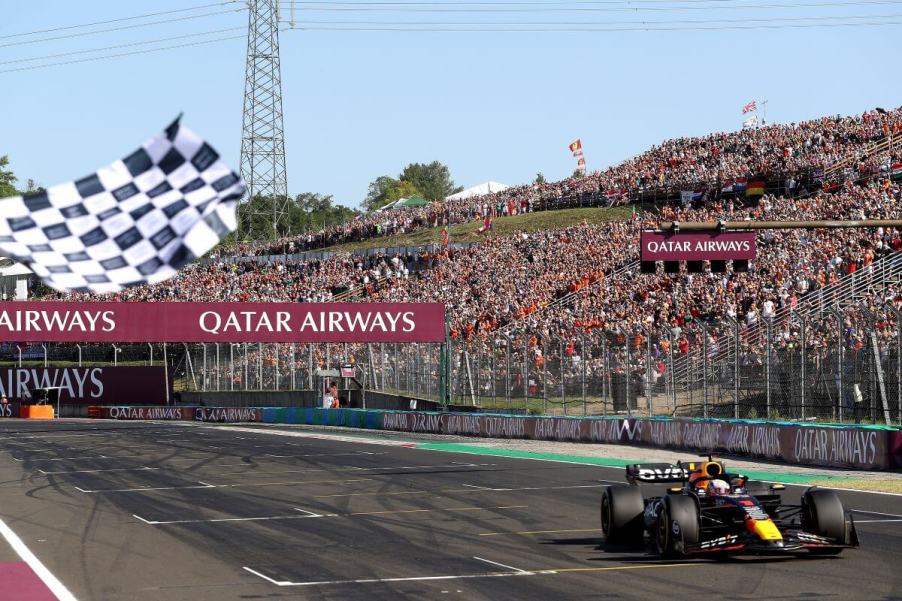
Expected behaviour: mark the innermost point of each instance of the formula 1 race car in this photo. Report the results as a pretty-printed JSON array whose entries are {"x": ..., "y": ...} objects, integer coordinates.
[{"x": 713, "y": 511}]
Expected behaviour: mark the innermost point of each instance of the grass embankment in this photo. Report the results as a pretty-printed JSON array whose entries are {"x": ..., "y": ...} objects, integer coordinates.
[{"x": 504, "y": 226}]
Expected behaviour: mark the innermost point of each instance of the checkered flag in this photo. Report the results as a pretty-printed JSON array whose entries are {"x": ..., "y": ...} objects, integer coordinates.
[{"x": 136, "y": 221}]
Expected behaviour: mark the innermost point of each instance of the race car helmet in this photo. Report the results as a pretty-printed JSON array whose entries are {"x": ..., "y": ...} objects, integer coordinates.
[{"x": 718, "y": 487}]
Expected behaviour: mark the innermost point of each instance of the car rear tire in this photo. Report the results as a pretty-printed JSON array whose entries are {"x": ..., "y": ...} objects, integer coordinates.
[
  {"x": 681, "y": 510},
  {"x": 621, "y": 514},
  {"x": 823, "y": 514}
]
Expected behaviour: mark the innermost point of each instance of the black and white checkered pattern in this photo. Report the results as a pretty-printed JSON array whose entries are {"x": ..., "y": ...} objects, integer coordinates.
[{"x": 134, "y": 222}]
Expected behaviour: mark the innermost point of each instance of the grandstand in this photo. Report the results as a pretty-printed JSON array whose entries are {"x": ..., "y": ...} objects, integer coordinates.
[{"x": 561, "y": 321}]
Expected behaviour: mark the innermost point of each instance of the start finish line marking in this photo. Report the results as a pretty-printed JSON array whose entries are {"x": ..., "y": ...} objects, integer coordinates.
[
  {"x": 206, "y": 485},
  {"x": 509, "y": 572},
  {"x": 120, "y": 469},
  {"x": 311, "y": 514},
  {"x": 306, "y": 514}
]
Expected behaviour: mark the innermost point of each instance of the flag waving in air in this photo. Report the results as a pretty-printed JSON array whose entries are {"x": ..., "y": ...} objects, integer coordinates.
[
  {"x": 136, "y": 221},
  {"x": 576, "y": 147},
  {"x": 750, "y": 107}
]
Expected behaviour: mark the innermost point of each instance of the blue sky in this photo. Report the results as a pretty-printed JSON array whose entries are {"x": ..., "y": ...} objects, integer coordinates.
[{"x": 498, "y": 106}]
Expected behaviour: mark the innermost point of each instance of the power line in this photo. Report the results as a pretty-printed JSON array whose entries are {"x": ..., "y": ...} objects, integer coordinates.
[
  {"x": 118, "y": 46},
  {"x": 593, "y": 23},
  {"x": 157, "y": 14},
  {"x": 137, "y": 52},
  {"x": 535, "y": 9},
  {"x": 122, "y": 28},
  {"x": 598, "y": 29}
]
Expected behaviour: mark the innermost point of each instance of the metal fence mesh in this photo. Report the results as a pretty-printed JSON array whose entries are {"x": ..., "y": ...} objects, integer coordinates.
[{"x": 832, "y": 365}]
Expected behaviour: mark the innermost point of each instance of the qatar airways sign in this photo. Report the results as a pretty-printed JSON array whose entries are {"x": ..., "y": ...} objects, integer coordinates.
[
  {"x": 698, "y": 246},
  {"x": 221, "y": 322},
  {"x": 82, "y": 385}
]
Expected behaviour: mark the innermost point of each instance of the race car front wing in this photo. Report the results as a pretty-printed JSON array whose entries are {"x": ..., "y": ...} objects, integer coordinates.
[{"x": 794, "y": 540}]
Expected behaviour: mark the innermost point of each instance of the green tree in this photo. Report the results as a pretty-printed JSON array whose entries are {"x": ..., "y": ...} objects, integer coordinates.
[
  {"x": 31, "y": 187},
  {"x": 311, "y": 211},
  {"x": 7, "y": 179},
  {"x": 378, "y": 192},
  {"x": 578, "y": 174},
  {"x": 402, "y": 190},
  {"x": 540, "y": 178},
  {"x": 307, "y": 211},
  {"x": 433, "y": 180},
  {"x": 385, "y": 189}
]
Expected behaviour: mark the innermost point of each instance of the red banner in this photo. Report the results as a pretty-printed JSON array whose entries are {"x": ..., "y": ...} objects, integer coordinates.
[
  {"x": 83, "y": 385},
  {"x": 698, "y": 246},
  {"x": 221, "y": 322}
]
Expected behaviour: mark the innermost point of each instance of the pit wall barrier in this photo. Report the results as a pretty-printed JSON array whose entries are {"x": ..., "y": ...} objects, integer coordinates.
[{"x": 826, "y": 445}]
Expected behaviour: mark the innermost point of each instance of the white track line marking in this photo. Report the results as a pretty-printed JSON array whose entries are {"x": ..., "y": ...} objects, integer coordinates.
[
  {"x": 501, "y": 565},
  {"x": 206, "y": 485},
  {"x": 145, "y": 489},
  {"x": 310, "y": 514},
  {"x": 397, "y": 511},
  {"x": 267, "y": 578},
  {"x": 477, "y": 487},
  {"x": 79, "y": 458},
  {"x": 875, "y": 521},
  {"x": 891, "y": 515},
  {"x": 121, "y": 469},
  {"x": 56, "y": 587},
  {"x": 538, "y": 572},
  {"x": 322, "y": 455},
  {"x": 135, "y": 515},
  {"x": 383, "y": 580},
  {"x": 347, "y": 468},
  {"x": 51, "y": 436},
  {"x": 301, "y": 434},
  {"x": 307, "y": 515},
  {"x": 534, "y": 487}
]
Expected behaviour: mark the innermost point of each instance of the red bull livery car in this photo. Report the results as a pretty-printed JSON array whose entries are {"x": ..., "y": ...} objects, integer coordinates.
[{"x": 713, "y": 511}]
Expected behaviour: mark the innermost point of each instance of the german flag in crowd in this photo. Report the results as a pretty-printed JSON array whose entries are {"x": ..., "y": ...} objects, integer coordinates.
[{"x": 755, "y": 188}]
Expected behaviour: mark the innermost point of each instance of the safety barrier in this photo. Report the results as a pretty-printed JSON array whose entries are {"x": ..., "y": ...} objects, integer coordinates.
[{"x": 827, "y": 445}]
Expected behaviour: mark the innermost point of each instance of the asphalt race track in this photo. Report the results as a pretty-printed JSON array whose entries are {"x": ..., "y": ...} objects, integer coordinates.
[{"x": 164, "y": 512}]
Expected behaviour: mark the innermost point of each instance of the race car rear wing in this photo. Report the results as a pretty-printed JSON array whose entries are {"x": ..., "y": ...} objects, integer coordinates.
[{"x": 657, "y": 472}]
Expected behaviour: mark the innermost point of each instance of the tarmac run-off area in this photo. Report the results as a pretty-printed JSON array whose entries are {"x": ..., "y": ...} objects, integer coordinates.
[{"x": 99, "y": 510}]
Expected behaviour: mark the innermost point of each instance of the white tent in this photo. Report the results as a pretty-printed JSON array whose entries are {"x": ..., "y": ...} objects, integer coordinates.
[
  {"x": 398, "y": 204},
  {"x": 479, "y": 190},
  {"x": 14, "y": 269},
  {"x": 14, "y": 282}
]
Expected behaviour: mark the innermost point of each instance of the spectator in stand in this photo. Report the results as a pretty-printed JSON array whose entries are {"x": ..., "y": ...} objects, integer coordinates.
[{"x": 793, "y": 150}]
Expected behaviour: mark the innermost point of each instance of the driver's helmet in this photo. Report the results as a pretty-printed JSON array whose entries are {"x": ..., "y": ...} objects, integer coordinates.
[{"x": 718, "y": 487}]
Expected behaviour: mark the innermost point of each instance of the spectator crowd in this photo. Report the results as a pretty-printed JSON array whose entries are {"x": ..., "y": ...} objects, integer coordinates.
[
  {"x": 552, "y": 288},
  {"x": 792, "y": 153}
]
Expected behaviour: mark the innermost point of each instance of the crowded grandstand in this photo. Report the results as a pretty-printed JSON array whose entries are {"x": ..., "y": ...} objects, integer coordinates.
[{"x": 571, "y": 303}]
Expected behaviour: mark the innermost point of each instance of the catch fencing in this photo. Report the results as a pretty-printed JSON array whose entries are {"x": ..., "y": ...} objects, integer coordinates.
[{"x": 842, "y": 365}]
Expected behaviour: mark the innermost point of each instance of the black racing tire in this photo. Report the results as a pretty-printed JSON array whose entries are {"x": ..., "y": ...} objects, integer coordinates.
[
  {"x": 683, "y": 510},
  {"x": 823, "y": 514},
  {"x": 621, "y": 514}
]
